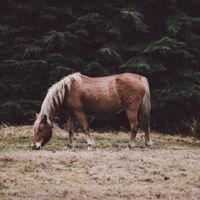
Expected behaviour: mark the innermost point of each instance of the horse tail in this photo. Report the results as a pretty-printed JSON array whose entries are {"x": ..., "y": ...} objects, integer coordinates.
[{"x": 144, "y": 114}]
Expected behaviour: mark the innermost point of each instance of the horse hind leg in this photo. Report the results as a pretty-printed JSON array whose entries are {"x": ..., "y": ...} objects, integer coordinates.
[
  {"x": 149, "y": 142},
  {"x": 132, "y": 116},
  {"x": 134, "y": 128}
]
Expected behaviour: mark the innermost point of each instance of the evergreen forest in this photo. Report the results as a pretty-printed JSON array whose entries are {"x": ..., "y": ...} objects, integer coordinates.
[{"x": 42, "y": 41}]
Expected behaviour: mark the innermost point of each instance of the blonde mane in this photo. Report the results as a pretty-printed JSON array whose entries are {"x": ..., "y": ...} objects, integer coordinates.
[{"x": 55, "y": 96}]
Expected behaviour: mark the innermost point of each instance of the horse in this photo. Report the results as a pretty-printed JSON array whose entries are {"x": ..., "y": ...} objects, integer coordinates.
[{"x": 79, "y": 95}]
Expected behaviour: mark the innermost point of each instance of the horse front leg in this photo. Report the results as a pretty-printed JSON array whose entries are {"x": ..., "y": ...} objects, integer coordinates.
[
  {"x": 70, "y": 129},
  {"x": 82, "y": 119}
]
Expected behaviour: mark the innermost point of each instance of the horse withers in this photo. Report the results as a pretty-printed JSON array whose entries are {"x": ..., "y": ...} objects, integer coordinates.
[{"x": 80, "y": 95}]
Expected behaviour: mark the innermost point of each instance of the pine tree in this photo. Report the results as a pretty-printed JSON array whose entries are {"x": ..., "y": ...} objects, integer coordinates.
[{"x": 41, "y": 41}]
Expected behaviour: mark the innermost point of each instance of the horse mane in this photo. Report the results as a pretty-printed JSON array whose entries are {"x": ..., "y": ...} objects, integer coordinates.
[{"x": 56, "y": 95}]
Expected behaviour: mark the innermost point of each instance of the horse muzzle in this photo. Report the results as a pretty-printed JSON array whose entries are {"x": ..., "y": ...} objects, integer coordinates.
[{"x": 36, "y": 146}]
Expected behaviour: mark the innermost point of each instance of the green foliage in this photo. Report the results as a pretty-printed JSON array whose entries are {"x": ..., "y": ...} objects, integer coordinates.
[
  {"x": 167, "y": 45},
  {"x": 142, "y": 65},
  {"x": 133, "y": 15},
  {"x": 42, "y": 41}
]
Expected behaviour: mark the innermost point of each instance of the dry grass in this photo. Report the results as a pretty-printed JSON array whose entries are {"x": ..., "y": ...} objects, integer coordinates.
[{"x": 170, "y": 170}]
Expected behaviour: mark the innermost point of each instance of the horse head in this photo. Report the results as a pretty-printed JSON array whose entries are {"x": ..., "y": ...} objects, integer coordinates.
[{"x": 42, "y": 132}]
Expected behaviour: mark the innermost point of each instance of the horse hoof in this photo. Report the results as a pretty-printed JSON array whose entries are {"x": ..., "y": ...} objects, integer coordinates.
[
  {"x": 131, "y": 146},
  {"x": 68, "y": 146},
  {"x": 89, "y": 148},
  {"x": 149, "y": 144}
]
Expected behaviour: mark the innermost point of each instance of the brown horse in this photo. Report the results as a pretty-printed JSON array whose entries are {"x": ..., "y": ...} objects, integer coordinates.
[{"x": 80, "y": 95}]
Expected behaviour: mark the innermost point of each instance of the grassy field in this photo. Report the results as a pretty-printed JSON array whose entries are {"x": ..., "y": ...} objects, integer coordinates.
[{"x": 170, "y": 170}]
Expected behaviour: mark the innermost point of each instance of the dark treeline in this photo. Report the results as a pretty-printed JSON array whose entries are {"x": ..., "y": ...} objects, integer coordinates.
[{"x": 42, "y": 41}]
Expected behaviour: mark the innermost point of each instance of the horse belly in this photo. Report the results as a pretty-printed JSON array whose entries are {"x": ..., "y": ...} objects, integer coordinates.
[
  {"x": 102, "y": 101},
  {"x": 102, "y": 109}
]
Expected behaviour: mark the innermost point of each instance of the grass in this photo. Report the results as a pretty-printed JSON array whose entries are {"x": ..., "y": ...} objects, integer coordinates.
[{"x": 170, "y": 170}]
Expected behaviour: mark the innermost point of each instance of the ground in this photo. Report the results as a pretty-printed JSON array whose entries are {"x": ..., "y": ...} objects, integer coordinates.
[{"x": 169, "y": 170}]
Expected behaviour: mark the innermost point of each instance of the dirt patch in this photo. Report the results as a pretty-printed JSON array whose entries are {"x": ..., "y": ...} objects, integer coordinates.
[{"x": 170, "y": 170}]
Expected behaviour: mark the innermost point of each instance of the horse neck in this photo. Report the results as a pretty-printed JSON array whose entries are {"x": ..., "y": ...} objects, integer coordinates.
[
  {"x": 50, "y": 106},
  {"x": 55, "y": 97}
]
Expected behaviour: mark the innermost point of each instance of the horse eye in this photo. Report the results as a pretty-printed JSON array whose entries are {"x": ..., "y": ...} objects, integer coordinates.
[{"x": 41, "y": 130}]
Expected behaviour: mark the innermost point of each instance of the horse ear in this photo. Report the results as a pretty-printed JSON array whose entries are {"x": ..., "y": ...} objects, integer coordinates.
[
  {"x": 44, "y": 119},
  {"x": 36, "y": 115}
]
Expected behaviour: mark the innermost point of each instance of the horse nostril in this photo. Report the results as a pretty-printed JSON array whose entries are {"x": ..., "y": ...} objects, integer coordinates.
[
  {"x": 38, "y": 146},
  {"x": 33, "y": 146}
]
